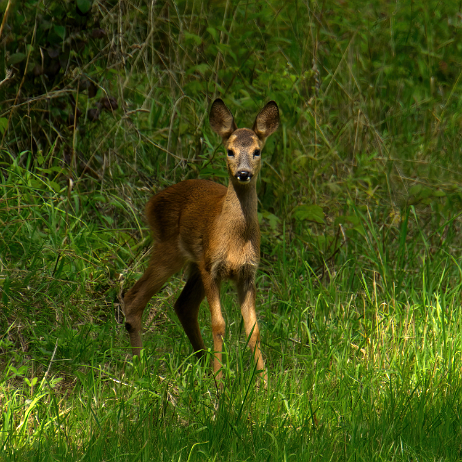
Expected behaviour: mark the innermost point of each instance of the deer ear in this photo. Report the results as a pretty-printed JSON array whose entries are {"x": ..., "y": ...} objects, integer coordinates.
[
  {"x": 221, "y": 119},
  {"x": 267, "y": 121}
]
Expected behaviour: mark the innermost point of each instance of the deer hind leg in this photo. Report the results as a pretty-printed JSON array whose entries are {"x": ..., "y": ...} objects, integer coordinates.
[
  {"x": 187, "y": 308},
  {"x": 165, "y": 261},
  {"x": 247, "y": 294}
]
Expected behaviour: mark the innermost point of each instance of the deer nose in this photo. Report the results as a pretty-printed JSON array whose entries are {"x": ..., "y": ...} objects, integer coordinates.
[{"x": 244, "y": 175}]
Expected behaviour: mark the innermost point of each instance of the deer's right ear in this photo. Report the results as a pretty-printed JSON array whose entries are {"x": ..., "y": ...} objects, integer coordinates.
[{"x": 221, "y": 119}]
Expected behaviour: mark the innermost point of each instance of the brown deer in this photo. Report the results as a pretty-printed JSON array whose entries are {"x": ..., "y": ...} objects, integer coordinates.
[{"x": 215, "y": 231}]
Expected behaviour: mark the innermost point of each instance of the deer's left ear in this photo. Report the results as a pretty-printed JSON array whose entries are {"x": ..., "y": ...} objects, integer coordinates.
[
  {"x": 221, "y": 119},
  {"x": 267, "y": 121}
]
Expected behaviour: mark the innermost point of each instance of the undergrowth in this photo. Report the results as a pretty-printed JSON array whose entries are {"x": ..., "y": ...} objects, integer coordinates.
[{"x": 359, "y": 205}]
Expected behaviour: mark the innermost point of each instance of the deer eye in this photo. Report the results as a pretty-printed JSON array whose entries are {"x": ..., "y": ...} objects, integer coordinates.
[
  {"x": 257, "y": 153},
  {"x": 230, "y": 153}
]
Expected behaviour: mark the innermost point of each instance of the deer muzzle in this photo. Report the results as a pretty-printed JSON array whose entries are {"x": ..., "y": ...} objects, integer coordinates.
[{"x": 244, "y": 176}]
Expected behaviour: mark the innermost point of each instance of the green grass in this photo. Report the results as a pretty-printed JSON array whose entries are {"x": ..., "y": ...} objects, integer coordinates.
[
  {"x": 364, "y": 368},
  {"x": 359, "y": 287}
]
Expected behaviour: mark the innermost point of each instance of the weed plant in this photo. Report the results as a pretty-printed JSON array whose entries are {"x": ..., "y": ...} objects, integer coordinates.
[{"x": 360, "y": 198}]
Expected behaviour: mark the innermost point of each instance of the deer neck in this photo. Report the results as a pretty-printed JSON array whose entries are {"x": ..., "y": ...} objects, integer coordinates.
[{"x": 240, "y": 206}]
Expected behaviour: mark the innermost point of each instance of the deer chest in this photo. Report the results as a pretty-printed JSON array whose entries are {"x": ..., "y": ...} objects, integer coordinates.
[{"x": 236, "y": 260}]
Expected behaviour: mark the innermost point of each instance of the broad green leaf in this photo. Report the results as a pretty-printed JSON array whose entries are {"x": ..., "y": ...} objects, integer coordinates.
[
  {"x": 3, "y": 124},
  {"x": 201, "y": 68},
  {"x": 309, "y": 212},
  {"x": 84, "y": 5},
  {"x": 415, "y": 190},
  {"x": 347, "y": 219},
  {"x": 55, "y": 186},
  {"x": 213, "y": 32},
  {"x": 16, "y": 58},
  {"x": 60, "y": 31},
  {"x": 273, "y": 220},
  {"x": 195, "y": 38}
]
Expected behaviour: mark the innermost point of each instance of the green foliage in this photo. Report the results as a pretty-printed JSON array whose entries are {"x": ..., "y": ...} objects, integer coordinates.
[{"x": 360, "y": 199}]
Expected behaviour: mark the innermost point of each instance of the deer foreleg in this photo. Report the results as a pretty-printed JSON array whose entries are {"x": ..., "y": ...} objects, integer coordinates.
[{"x": 247, "y": 295}]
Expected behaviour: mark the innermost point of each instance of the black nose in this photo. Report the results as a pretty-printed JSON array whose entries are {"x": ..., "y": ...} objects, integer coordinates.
[{"x": 244, "y": 175}]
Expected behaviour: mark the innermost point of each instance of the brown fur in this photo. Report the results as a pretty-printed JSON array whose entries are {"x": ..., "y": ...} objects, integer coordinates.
[{"x": 215, "y": 231}]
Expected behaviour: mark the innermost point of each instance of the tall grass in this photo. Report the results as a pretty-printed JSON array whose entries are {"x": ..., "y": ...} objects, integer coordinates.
[{"x": 359, "y": 285}]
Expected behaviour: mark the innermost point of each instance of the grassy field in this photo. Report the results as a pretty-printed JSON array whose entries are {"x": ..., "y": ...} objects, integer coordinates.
[{"x": 359, "y": 288}]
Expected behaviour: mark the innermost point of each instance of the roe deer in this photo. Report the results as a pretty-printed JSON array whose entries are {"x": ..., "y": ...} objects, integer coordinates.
[{"x": 215, "y": 230}]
